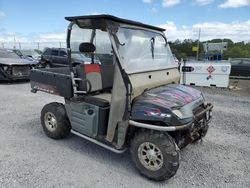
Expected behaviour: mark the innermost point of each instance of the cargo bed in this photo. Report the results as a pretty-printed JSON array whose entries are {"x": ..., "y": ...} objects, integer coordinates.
[{"x": 54, "y": 81}]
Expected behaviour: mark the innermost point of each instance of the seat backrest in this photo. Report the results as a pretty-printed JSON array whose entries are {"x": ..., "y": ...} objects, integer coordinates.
[{"x": 92, "y": 73}]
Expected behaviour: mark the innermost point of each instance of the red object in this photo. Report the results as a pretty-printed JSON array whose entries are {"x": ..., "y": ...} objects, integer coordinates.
[
  {"x": 89, "y": 68},
  {"x": 210, "y": 69}
]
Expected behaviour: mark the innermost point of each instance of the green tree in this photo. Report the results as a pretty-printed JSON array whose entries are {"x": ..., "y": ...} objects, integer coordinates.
[{"x": 183, "y": 49}]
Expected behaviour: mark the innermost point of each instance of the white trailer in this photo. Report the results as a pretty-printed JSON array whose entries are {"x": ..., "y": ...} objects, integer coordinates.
[{"x": 205, "y": 73}]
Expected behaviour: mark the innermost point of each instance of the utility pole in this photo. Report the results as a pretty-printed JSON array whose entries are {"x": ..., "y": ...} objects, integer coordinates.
[
  {"x": 221, "y": 51},
  {"x": 14, "y": 47},
  {"x": 198, "y": 44}
]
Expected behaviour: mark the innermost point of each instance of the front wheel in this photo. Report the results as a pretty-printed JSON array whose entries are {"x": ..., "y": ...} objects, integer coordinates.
[
  {"x": 55, "y": 121},
  {"x": 155, "y": 155}
]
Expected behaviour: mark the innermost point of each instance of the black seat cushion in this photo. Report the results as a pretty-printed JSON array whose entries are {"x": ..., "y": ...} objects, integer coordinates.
[{"x": 96, "y": 101}]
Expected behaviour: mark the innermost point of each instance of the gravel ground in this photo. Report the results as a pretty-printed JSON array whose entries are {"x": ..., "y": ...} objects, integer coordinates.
[{"x": 29, "y": 159}]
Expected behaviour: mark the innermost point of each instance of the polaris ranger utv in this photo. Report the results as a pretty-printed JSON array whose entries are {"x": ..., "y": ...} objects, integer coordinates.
[{"x": 130, "y": 100}]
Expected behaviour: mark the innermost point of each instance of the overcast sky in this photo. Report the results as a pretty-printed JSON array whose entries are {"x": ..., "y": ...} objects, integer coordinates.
[{"x": 43, "y": 20}]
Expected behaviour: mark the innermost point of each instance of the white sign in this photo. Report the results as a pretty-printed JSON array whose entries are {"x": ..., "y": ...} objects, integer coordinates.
[{"x": 215, "y": 46}]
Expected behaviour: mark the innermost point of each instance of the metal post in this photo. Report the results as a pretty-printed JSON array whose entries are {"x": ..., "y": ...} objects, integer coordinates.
[
  {"x": 19, "y": 45},
  {"x": 221, "y": 50},
  {"x": 198, "y": 43},
  {"x": 14, "y": 47},
  {"x": 38, "y": 46},
  {"x": 206, "y": 51},
  {"x": 60, "y": 45}
]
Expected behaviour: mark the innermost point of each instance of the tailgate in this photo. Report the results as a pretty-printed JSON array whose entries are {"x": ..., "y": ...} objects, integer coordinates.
[{"x": 54, "y": 81}]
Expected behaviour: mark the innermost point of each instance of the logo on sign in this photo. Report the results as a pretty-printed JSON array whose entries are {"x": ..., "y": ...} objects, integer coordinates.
[
  {"x": 210, "y": 69},
  {"x": 224, "y": 69},
  {"x": 209, "y": 77}
]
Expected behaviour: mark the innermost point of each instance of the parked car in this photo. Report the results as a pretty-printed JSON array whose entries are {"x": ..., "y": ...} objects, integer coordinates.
[
  {"x": 13, "y": 67},
  {"x": 240, "y": 67},
  {"x": 28, "y": 54},
  {"x": 58, "y": 57},
  {"x": 31, "y": 53}
]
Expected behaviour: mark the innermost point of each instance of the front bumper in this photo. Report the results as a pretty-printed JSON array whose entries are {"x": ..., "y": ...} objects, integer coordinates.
[
  {"x": 15, "y": 73},
  {"x": 207, "y": 110},
  {"x": 207, "y": 113}
]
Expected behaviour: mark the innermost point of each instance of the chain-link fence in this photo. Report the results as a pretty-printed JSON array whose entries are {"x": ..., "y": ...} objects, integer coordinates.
[{"x": 32, "y": 45}]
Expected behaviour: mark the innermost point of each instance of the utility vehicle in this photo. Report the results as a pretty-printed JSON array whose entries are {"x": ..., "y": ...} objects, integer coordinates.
[{"x": 131, "y": 100}]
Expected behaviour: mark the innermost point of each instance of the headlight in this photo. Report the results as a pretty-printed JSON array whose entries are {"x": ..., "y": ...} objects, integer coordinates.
[
  {"x": 157, "y": 113},
  {"x": 204, "y": 100},
  {"x": 203, "y": 96},
  {"x": 178, "y": 113},
  {"x": 160, "y": 114}
]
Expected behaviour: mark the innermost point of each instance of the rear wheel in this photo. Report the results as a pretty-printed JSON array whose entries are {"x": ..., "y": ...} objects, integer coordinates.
[
  {"x": 54, "y": 120},
  {"x": 155, "y": 154}
]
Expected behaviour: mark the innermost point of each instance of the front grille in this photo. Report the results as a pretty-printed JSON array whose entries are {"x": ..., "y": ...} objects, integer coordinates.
[
  {"x": 197, "y": 110},
  {"x": 20, "y": 71}
]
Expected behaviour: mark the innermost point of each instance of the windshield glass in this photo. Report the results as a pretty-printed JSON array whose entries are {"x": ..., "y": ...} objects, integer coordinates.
[
  {"x": 8, "y": 54},
  {"x": 142, "y": 50},
  {"x": 29, "y": 53},
  {"x": 100, "y": 39}
]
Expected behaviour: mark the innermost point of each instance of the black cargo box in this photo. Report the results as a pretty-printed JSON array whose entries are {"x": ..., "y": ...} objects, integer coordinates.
[{"x": 54, "y": 81}]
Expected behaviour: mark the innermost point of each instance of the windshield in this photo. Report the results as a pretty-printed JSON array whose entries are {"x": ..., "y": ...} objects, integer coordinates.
[
  {"x": 100, "y": 39},
  {"x": 8, "y": 54},
  {"x": 29, "y": 53},
  {"x": 142, "y": 50}
]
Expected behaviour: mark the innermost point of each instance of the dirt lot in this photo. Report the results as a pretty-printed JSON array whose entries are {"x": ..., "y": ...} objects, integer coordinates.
[{"x": 29, "y": 159}]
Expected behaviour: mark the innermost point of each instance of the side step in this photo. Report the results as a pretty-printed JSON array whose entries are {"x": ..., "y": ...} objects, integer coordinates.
[{"x": 98, "y": 143}]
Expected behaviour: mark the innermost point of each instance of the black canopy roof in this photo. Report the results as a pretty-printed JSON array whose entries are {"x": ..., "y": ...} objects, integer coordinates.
[{"x": 113, "y": 18}]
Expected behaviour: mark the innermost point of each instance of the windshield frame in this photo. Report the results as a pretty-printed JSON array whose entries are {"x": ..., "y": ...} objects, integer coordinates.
[{"x": 112, "y": 27}]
